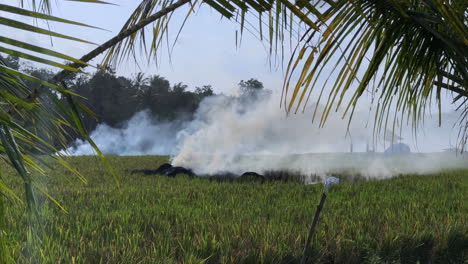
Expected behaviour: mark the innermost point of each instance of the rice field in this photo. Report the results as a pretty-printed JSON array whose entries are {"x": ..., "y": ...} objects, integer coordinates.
[{"x": 156, "y": 219}]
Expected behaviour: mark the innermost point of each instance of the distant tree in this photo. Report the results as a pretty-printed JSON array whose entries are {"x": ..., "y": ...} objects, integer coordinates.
[
  {"x": 252, "y": 85},
  {"x": 140, "y": 80},
  {"x": 159, "y": 84},
  {"x": 111, "y": 98},
  {"x": 153, "y": 96},
  {"x": 252, "y": 89},
  {"x": 127, "y": 84},
  {"x": 182, "y": 102},
  {"x": 115, "y": 99},
  {"x": 179, "y": 88},
  {"x": 205, "y": 90}
]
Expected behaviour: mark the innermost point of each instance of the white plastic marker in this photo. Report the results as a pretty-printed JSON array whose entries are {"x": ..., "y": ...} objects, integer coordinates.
[{"x": 329, "y": 181}]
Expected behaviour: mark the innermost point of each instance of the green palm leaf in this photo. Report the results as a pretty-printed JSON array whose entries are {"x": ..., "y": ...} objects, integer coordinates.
[
  {"x": 24, "y": 26},
  {"x": 24, "y": 12},
  {"x": 28, "y": 125}
]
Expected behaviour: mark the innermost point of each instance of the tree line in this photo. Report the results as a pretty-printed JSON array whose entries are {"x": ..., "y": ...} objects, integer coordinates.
[{"x": 115, "y": 99}]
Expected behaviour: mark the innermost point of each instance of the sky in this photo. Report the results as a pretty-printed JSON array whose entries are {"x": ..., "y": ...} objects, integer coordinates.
[{"x": 205, "y": 52}]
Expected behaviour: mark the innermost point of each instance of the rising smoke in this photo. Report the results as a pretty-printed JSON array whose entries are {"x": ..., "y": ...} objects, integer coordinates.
[
  {"x": 245, "y": 133},
  {"x": 141, "y": 135}
]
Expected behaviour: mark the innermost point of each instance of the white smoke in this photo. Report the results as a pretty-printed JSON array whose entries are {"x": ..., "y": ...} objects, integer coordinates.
[
  {"x": 238, "y": 134},
  {"x": 141, "y": 135}
]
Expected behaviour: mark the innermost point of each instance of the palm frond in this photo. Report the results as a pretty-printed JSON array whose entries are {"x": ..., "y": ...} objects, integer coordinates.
[
  {"x": 35, "y": 122},
  {"x": 279, "y": 17},
  {"x": 145, "y": 13},
  {"x": 45, "y": 6},
  {"x": 406, "y": 52}
]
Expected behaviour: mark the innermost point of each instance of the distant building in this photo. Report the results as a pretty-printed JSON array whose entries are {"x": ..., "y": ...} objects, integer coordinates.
[{"x": 398, "y": 148}]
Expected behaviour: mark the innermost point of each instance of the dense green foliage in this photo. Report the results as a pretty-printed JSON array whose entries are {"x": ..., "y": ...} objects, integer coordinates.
[{"x": 152, "y": 219}]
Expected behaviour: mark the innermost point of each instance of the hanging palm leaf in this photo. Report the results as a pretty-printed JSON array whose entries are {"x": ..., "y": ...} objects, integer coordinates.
[
  {"x": 34, "y": 122},
  {"x": 404, "y": 52}
]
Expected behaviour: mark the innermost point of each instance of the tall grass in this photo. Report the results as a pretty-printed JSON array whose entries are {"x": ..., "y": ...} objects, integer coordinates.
[{"x": 154, "y": 219}]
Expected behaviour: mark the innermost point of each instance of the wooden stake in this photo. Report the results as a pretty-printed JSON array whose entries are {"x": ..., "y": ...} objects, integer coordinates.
[{"x": 312, "y": 228}]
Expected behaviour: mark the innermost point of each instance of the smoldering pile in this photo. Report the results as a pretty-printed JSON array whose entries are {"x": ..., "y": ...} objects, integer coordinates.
[{"x": 168, "y": 170}]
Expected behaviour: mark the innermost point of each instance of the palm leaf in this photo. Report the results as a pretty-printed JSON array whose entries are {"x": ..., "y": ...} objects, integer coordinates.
[
  {"x": 404, "y": 48},
  {"x": 28, "y": 125},
  {"x": 24, "y": 12},
  {"x": 24, "y": 26},
  {"x": 43, "y": 51}
]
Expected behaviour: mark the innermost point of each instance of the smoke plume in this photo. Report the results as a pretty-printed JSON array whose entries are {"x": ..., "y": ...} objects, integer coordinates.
[
  {"x": 141, "y": 135},
  {"x": 252, "y": 133}
]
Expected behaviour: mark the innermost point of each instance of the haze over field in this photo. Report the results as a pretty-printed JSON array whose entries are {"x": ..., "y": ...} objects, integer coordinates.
[{"x": 237, "y": 134}]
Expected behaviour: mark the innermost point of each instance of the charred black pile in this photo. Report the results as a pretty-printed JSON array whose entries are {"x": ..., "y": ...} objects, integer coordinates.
[
  {"x": 231, "y": 177},
  {"x": 252, "y": 176},
  {"x": 268, "y": 176},
  {"x": 167, "y": 169}
]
